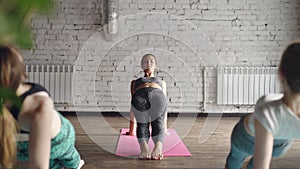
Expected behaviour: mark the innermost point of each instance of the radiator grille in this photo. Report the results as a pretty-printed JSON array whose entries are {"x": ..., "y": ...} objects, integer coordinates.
[
  {"x": 244, "y": 85},
  {"x": 57, "y": 79}
]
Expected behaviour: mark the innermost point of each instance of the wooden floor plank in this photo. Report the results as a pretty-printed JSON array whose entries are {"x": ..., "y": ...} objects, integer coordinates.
[{"x": 208, "y": 155}]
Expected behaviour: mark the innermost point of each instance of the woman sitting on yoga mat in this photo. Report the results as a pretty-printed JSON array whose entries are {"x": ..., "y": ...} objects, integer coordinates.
[
  {"x": 34, "y": 131},
  {"x": 149, "y": 106},
  {"x": 270, "y": 130}
]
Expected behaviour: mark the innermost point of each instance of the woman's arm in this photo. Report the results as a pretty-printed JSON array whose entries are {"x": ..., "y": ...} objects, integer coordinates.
[
  {"x": 263, "y": 147},
  {"x": 164, "y": 87},
  {"x": 132, "y": 126},
  {"x": 39, "y": 120}
]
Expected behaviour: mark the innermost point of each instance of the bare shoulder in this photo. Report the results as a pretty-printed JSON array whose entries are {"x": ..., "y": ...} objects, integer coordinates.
[
  {"x": 34, "y": 108},
  {"x": 133, "y": 81},
  {"x": 132, "y": 87},
  {"x": 36, "y": 103}
]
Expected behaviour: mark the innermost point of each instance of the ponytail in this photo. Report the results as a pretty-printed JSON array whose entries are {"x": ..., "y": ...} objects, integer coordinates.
[
  {"x": 8, "y": 141},
  {"x": 11, "y": 76},
  {"x": 8, "y": 128}
]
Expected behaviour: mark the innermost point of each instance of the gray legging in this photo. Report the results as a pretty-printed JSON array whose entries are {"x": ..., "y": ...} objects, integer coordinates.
[{"x": 149, "y": 106}]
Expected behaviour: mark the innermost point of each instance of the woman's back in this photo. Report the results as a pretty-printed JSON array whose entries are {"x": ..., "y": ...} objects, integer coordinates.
[
  {"x": 276, "y": 117},
  {"x": 34, "y": 101}
]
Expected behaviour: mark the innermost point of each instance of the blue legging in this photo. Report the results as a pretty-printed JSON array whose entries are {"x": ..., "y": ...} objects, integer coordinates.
[
  {"x": 242, "y": 146},
  {"x": 149, "y": 106}
]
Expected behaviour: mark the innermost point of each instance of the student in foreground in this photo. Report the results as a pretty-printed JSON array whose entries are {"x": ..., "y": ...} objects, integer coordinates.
[
  {"x": 270, "y": 130},
  {"x": 45, "y": 138}
]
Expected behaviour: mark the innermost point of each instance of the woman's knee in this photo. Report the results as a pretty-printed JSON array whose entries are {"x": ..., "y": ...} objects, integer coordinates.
[{"x": 234, "y": 162}]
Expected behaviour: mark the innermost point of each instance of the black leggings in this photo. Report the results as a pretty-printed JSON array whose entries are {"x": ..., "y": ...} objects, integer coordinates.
[{"x": 149, "y": 106}]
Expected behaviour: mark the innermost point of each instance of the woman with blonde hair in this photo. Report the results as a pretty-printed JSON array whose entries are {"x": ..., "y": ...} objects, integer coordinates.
[{"x": 45, "y": 137}]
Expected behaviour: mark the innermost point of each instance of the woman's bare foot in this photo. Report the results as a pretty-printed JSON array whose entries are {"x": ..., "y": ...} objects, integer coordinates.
[
  {"x": 145, "y": 153},
  {"x": 157, "y": 151},
  {"x": 81, "y": 163}
]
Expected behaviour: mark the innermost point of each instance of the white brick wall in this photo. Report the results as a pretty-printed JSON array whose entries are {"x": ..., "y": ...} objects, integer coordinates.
[{"x": 185, "y": 35}]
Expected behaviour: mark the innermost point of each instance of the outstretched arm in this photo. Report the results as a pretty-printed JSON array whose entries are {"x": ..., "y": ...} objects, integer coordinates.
[
  {"x": 39, "y": 121},
  {"x": 132, "y": 127},
  {"x": 263, "y": 147}
]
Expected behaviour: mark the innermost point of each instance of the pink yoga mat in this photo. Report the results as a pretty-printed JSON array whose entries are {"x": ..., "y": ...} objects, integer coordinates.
[{"x": 173, "y": 146}]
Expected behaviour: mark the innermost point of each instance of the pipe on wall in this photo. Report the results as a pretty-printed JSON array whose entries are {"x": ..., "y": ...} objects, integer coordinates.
[{"x": 111, "y": 26}]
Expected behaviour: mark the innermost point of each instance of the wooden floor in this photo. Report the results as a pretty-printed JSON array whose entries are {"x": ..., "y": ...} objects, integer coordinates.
[{"x": 210, "y": 154}]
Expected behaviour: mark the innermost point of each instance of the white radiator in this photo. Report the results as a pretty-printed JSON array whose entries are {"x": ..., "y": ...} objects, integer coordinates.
[
  {"x": 57, "y": 79},
  {"x": 244, "y": 85}
]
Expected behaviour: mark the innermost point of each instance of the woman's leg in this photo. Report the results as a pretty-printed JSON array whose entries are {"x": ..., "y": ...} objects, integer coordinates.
[
  {"x": 143, "y": 134},
  {"x": 157, "y": 112},
  {"x": 242, "y": 146},
  {"x": 139, "y": 108},
  {"x": 235, "y": 159},
  {"x": 63, "y": 150},
  {"x": 280, "y": 147}
]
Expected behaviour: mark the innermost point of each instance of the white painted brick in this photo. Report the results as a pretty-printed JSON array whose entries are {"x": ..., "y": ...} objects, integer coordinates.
[
  {"x": 244, "y": 41},
  {"x": 83, "y": 35},
  {"x": 171, "y": 6}
]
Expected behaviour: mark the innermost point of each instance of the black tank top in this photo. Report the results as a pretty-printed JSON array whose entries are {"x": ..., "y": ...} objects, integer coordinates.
[
  {"x": 143, "y": 80},
  {"x": 34, "y": 89}
]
